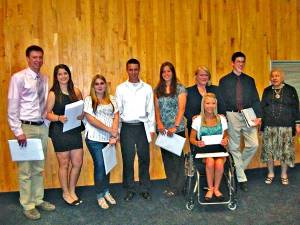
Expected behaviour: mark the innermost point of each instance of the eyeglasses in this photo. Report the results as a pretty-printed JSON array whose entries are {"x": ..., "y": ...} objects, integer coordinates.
[{"x": 99, "y": 83}]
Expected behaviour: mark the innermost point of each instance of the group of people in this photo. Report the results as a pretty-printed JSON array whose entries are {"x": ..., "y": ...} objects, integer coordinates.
[{"x": 135, "y": 114}]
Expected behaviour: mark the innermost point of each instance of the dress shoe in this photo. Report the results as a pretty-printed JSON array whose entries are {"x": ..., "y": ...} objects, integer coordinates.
[
  {"x": 244, "y": 186},
  {"x": 129, "y": 196},
  {"x": 74, "y": 203},
  {"x": 32, "y": 214},
  {"x": 46, "y": 206},
  {"x": 146, "y": 195}
]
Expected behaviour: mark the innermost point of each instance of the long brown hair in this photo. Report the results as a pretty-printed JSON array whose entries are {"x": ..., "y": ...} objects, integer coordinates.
[
  {"x": 56, "y": 88},
  {"x": 106, "y": 96},
  {"x": 160, "y": 89}
]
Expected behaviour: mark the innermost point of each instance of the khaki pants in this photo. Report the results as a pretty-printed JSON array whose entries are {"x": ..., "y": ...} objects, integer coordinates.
[
  {"x": 31, "y": 180},
  {"x": 237, "y": 127}
]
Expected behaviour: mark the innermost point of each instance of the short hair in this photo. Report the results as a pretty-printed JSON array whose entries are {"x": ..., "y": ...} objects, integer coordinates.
[
  {"x": 133, "y": 61},
  {"x": 206, "y": 70},
  {"x": 278, "y": 70},
  {"x": 236, "y": 55},
  {"x": 33, "y": 48}
]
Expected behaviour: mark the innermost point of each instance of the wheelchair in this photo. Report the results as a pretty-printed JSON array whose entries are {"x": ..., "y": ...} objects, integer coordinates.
[{"x": 196, "y": 184}]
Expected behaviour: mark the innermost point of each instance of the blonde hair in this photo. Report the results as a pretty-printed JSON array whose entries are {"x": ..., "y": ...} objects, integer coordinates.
[
  {"x": 106, "y": 96},
  {"x": 206, "y": 70},
  {"x": 202, "y": 114}
]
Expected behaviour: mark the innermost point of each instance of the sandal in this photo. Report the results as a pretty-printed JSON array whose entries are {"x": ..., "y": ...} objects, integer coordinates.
[
  {"x": 208, "y": 197},
  {"x": 284, "y": 181},
  {"x": 110, "y": 199},
  {"x": 269, "y": 180},
  {"x": 170, "y": 194},
  {"x": 102, "y": 203}
]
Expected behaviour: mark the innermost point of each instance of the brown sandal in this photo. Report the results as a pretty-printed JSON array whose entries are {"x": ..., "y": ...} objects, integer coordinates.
[{"x": 269, "y": 180}]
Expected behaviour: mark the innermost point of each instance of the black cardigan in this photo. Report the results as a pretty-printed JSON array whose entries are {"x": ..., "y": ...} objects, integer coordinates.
[{"x": 282, "y": 112}]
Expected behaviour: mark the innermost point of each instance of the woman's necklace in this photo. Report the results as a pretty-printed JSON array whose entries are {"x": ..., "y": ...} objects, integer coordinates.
[
  {"x": 277, "y": 91},
  {"x": 277, "y": 100}
]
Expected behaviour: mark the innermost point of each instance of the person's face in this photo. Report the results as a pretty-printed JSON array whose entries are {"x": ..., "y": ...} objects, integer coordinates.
[
  {"x": 167, "y": 74},
  {"x": 202, "y": 78},
  {"x": 35, "y": 60},
  {"x": 99, "y": 86},
  {"x": 209, "y": 105},
  {"x": 63, "y": 77},
  {"x": 133, "y": 71},
  {"x": 276, "y": 78},
  {"x": 238, "y": 65}
]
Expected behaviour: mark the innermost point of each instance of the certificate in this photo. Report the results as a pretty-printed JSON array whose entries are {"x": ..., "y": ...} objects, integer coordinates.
[
  {"x": 173, "y": 144},
  {"x": 32, "y": 151},
  {"x": 109, "y": 157},
  {"x": 211, "y": 155},
  {"x": 72, "y": 111},
  {"x": 212, "y": 139},
  {"x": 249, "y": 115}
]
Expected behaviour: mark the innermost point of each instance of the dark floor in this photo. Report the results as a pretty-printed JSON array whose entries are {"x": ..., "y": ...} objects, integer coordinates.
[{"x": 263, "y": 204}]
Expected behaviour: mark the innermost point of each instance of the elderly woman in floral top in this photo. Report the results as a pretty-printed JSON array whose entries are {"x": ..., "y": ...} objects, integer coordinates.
[{"x": 169, "y": 100}]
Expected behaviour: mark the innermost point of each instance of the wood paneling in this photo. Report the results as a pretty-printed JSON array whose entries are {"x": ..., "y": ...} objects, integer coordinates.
[{"x": 100, "y": 36}]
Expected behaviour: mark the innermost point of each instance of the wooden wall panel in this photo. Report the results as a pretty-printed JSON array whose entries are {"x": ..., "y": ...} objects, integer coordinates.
[{"x": 100, "y": 36}]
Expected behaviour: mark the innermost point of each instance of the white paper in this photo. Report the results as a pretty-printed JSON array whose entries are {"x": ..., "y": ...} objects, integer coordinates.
[
  {"x": 249, "y": 115},
  {"x": 72, "y": 111},
  {"x": 212, "y": 139},
  {"x": 32, "y": 151},
  {"x": 173, "y": 144},
  {"x": 109, "y": 157},
  {"x": 211, "y": 155},
  {"x": 147, "y": 130}
]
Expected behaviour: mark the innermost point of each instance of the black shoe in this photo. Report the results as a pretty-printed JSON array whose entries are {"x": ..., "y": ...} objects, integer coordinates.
[
  {"x": 129, "y": 196},
  {"x": 74, "y": 203},
  {"x": 220, "y": 198},
  {"x": 145, "y": 195},
  {"x": 244, "y": 186}
]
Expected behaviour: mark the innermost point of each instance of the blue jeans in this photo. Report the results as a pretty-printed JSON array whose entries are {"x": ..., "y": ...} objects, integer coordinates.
[{"x": 100, "y": 178}]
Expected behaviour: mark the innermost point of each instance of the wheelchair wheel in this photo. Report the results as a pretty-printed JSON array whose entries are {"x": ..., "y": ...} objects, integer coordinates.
[
  {"x": 232, "y": 206},
  {"x": 190, "y": 205}
]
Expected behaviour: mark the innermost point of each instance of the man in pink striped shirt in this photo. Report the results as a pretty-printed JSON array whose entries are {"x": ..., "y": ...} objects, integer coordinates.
[{"x": 27, "y": 96}]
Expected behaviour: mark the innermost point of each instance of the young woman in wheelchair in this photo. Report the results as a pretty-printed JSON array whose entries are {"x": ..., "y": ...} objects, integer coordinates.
[{"x": 206, "y": 124}]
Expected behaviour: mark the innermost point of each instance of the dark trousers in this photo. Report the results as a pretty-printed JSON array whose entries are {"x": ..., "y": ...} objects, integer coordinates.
[
  {"x": 133, "y": 136},
  {"x": 174, "y": 169},
  {"x": 100, "y": 178}
]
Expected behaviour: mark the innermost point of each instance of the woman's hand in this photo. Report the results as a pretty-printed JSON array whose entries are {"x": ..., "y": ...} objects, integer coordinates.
[
  {"x": 224, "y": 142},
  {"x": 200, "y": 144},
  {"x": 62, "y": 118},
  {"x": 80, "y": 117},
  {"x": 171, "y": 131},
  {"x": 161, "y": 129},
  {"x": 113, "y": 140}
]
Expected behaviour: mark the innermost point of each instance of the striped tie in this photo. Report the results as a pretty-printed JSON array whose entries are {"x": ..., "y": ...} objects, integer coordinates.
[{"x": 40, "y": 93}]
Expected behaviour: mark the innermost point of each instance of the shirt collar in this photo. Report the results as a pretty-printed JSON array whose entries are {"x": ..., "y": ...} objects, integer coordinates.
[{"x": 33, "y": 74}]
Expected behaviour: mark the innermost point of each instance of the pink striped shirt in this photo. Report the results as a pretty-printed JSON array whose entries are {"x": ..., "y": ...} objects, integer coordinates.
[{"x": 23, "y": 99}]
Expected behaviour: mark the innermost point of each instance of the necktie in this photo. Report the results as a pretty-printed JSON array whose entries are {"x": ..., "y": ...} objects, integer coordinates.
[
  {"x": 239, "y": 94},
  {"x": 40, "y": 93}
]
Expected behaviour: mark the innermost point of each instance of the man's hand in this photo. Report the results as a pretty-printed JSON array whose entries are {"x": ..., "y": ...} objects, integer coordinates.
[
  {"x": 22, "y": 140},
  {"x": 257, "y": 121}
]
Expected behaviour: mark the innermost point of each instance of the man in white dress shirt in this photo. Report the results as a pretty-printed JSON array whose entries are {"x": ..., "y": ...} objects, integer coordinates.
[
  {"x": 26, "y": 112},
  {"x": 136, "y": 107}
]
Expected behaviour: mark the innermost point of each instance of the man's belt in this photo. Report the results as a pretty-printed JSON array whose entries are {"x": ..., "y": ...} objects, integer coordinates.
[{"x": 39, "y": 123}]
